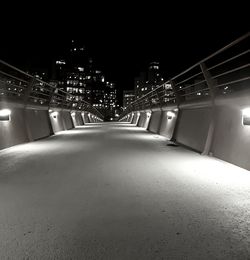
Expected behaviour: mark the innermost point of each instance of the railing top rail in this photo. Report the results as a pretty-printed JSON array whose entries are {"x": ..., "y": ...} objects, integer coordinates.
[
  {"x": 25, "y": 73},
  {"x": 83, "y": 102},
  {"x": 190, "y": 73},
  {"x": 213, "y": 54}
]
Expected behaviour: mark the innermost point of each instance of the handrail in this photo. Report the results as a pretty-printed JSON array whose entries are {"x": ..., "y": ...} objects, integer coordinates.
[
  {"x": 30, "y": 90},
  {"x": 229, "y": 73},
  {"x": 214, "y": 54}
]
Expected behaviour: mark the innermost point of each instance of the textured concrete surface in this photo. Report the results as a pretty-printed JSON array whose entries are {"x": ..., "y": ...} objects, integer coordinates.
[{"x": 118, "y": 192}]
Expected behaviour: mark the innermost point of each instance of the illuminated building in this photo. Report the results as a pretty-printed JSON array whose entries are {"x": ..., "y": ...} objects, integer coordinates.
[
  {"x": 128, "y": 97},
  {"x": 149, "y": 80},
  {"x": 77, "y": 75}
]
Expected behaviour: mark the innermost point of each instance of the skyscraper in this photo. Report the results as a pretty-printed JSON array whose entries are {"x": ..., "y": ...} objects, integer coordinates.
[
  {"x": 148, "y": 80},
  {"x": 76, "y": 73},
  {"x": 128, "y": 98}
]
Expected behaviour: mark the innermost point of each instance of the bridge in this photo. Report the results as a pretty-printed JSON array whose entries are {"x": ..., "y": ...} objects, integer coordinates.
[{"x": 170, "y": 180}]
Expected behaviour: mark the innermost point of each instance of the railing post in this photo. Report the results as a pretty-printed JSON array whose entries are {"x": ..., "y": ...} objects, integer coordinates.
[
  {"x": 28, "y": 91},
  {"x": 177, "y": 96},
  {"x": 178, "y": 101},
  {"x": 161, "y": 111},
  {"x": 211, "y": 85},
  {"x": 52, "y": 93},
  {"x": 25, "y": 102}
]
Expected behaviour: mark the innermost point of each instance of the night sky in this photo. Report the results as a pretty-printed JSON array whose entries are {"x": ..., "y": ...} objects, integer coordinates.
[{"x": 124, "y": 39}]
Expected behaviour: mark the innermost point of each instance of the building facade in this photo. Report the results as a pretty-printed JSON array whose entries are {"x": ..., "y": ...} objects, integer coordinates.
[
  {"x": 76, "y": 74},
  {"x": 128, "y": 98},
  {"x": 149, "y": 80}
]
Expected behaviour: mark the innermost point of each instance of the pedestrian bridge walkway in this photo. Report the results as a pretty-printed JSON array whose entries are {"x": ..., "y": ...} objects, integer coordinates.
[{"x": 117, "y": 191}]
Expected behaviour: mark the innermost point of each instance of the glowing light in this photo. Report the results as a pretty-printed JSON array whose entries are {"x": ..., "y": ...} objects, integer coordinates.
[
  {"x": 246, "y": 112},
  {"x": 54, "y": 114},
  {"x": 5, "y": 112},
  {"x": 170, "y": 114},
  {"x": 80, "y": 68},
  {"x": 246, "y": 116},
  {"x": 73, "y": 113}
]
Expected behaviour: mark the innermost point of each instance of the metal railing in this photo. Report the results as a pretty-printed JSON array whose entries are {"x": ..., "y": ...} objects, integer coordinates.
[
  {"x": 20, "y": 87},
  {"x": 222, "y": 73}
]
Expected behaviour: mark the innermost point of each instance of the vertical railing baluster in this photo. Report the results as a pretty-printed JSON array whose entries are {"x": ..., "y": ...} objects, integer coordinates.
[{"x": 211, "y": 85}]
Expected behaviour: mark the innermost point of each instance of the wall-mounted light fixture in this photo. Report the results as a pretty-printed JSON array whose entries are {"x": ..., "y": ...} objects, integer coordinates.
[
  {"x": 54, "y": 114},
  {"x": 5, "y": 114},
  {"x": 148, "y": 114},
  {"x": 170, "y": 114},
  {"x": 246, "y": 116}
]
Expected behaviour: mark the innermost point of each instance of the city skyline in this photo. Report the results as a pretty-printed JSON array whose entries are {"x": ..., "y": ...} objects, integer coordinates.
[{"x": 122, "y": 44}]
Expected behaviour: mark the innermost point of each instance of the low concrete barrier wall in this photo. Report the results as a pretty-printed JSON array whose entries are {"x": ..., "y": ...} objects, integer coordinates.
[
  {"x": 231, "y": 139},
  {"x": 56, "y": 119},
  {"x": 32, "y": 123},
  {"x": 192, "y": 127},
  {"x": 144, "y": 119},
  {"x": 13, "y": 132},
  {"x": 85, "y": 118},
  {"x": 136, "y": 118},
  {"x": 189, "y": 125},
  {"x": 25, "y": 125},
  {"x": 38, "y": 124},
  {"x": 168, "y": 123},
  {"x": 77, "y": 119},
  {"x": 131, "y": 117},
  {"x": 67, "y": 120},
  {"x": 155, "y": 121}
]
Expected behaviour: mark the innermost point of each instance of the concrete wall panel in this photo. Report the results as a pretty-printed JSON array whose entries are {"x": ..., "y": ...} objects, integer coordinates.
[
  {"x": 86, "y": 118},
  {"x": 192, "y": 127},
  {"x": 77, "y": 119},
  {"x": 144, "y": 119},
  {"x": 231, "y": 140},
  {"x": 168, "y": 124},
  {"x": 136, "y": 118},
  {"x": 155, "y": 122},
  {"x": 38, "y": 123},
  {"x": 13, "y": 132},
  {"x": 57, "y": 121},
  {"x": 67, "y": 120}
]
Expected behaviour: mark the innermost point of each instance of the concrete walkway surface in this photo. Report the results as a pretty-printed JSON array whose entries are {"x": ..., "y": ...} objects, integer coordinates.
[{"x": 116, "y": 191}]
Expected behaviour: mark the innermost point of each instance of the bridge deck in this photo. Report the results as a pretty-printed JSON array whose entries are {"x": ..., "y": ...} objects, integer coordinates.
[{"x": 114, "y": 191}]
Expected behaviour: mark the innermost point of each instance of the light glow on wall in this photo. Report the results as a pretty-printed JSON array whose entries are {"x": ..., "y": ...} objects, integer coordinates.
[
  {"x": 246, "y": 116},
  {"x": 170, "y": 114},
  {"x": 54, "y": 114},
  {"x": 5, "y": 114}
]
